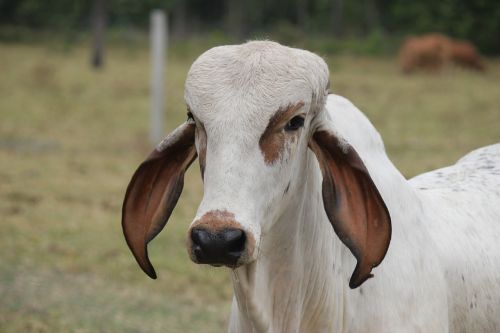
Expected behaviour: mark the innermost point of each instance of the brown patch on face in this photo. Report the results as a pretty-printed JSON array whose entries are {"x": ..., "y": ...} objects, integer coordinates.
[
  {"x": 218, "y": 220},
  {"x": 272, "y": 141}
]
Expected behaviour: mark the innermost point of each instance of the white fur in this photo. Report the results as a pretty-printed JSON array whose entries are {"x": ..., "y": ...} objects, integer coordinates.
[{"x": 442, "y": 270}]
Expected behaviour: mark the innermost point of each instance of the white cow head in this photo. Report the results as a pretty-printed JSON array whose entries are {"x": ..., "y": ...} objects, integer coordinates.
[{"x": 254, "y": 110}]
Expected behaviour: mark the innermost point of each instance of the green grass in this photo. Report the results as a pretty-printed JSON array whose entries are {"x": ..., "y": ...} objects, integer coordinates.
[{"x": 70, "y": 138}]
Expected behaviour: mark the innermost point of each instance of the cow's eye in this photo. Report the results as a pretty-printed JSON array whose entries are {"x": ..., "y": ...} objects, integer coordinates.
[
  {"x": 190, "y": 117},
  {"x": 295, "y": 123}
]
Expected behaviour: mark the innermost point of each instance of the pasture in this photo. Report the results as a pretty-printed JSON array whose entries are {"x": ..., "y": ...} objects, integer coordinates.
[{"x": 70, "y": 139}]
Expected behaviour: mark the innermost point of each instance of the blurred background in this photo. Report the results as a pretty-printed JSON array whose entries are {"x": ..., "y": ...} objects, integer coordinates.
[{"x": 74, "y": 125}]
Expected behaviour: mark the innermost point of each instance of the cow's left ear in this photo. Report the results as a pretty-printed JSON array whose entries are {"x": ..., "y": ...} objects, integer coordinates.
[
  {"x": 352, "y": 203},
  {"x": 154, "y": 190}
]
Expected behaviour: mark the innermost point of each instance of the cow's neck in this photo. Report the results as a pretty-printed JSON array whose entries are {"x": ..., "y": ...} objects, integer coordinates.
[{"x": 297, "y": 283}]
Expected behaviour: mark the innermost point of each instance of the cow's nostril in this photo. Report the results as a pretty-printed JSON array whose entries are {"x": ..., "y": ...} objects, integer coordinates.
[
  {"x": 235, "y": 239},
  {"x": 200, "y": 237},
  {"x": 222, "y": 247}
]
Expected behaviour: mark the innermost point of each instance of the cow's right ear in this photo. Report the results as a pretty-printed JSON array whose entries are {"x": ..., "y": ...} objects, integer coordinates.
[
  {"x": 154, "y": 190},
  {"x": 352, "y": 203}
]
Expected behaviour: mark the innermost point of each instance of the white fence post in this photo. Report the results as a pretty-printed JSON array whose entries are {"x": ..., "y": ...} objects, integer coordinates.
[{"x": 158, "y": 50}]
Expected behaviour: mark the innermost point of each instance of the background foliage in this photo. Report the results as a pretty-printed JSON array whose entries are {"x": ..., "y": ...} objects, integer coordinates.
[{"x": 380, "y": 20}]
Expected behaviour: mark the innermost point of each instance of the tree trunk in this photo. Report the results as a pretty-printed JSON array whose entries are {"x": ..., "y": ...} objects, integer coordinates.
[
  {"x": 302, "y": 14},
  {"x": 98, "y": 30},
  {"x": 337, "y": 16},
  {"x": 371, "y": 16},
  {"x": 180, "y": 19},
  {"x": 236, "y": 18}
]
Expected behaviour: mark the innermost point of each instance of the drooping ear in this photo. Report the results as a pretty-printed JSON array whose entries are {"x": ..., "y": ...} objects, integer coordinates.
[
  {"x": 352, "y": 203},
  {"x": 154, "y": 190}
]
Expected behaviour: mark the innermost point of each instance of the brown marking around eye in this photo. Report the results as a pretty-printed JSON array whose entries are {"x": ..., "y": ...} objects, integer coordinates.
[{"x": 272, "y": 141}]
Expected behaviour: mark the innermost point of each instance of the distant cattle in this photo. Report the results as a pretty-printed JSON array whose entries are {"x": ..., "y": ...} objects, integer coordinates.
[
  {"x": 464, "y": 54},
  {"x": 427, "y": 52},
  {"x": 432, "y": 52}
]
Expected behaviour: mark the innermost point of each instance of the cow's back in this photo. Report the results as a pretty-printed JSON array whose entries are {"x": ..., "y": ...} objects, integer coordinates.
[{"x": 462, "y": 208}]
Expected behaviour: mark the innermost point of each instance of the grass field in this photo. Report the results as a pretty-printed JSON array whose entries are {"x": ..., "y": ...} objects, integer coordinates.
[{"x": 70, "y": 138}]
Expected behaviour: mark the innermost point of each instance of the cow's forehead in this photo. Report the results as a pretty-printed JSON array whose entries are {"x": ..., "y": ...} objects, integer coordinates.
[{"x": 252, "y": 80}]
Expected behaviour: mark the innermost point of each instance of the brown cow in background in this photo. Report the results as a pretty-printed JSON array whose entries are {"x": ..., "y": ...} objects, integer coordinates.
[
  {"x": 434, "y": 51},
  {"x": 465, "y": 54},
  {"x": 427, "y": 52}
]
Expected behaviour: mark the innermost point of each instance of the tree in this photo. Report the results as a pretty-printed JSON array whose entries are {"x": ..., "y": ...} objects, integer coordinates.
[
  {"x": 371, "y": 16},
  {"x": 337, "y": 17},
  {"x": 180, "y": 18},
  {"x": 236, "y": 18},
  {"x": 302, "y": 14},
  {"x": 98, "y": 30}
]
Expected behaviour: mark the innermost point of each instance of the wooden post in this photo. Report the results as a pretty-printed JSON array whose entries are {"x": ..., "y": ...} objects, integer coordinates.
[{"x": 158, "y": 51}]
